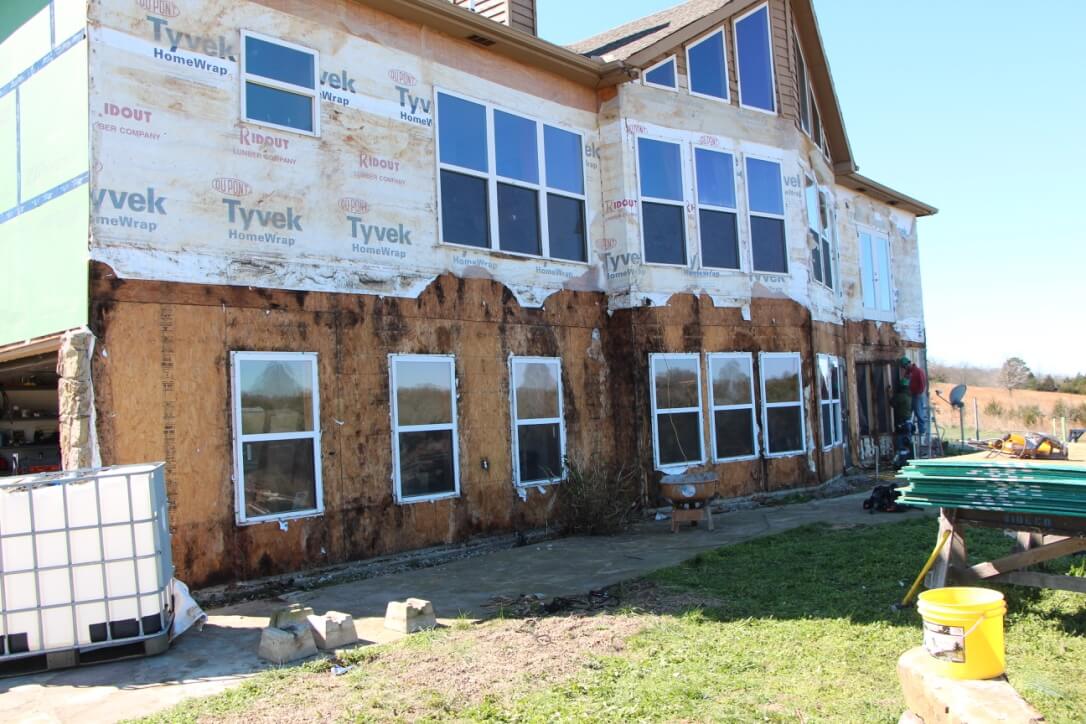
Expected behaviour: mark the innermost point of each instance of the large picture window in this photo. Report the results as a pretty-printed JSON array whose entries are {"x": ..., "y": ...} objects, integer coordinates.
[
  {"x": 277, "y": 447},
  {"x": 782, "y": 404},
  {"x": 509, "y": 182},
  {"x": 707, "y": 68},
  {"x": 754, "y": 59},
  {"x": 539, "y": 440},
  {"x": 717, "y": 217},
  {"x": 676, "y": 409},
  {"x": 279, "y": 84},
  {"x": 663, "y": 207},
  {"x": 875, "y": 282},
  {"x": 765, "y": 197},
  {"x": 830, "y": 381},
  {"x": 424, "y": 441},
  {"x": 731, "y": 397}
]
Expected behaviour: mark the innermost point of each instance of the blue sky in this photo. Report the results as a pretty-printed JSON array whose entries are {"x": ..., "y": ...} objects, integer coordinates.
[{"x": 978, "y": 108}]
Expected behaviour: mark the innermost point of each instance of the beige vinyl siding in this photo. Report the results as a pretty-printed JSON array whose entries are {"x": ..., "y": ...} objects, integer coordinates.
[
  {"x": 518, "y": 14},
  {"x": 787, "y": 104}
]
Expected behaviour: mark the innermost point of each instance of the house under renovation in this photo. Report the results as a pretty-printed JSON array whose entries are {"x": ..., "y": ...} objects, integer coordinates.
[{"x": 364, "y": 273}]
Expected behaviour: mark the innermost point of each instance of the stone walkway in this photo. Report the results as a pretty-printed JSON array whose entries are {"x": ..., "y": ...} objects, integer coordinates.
[{"x": 224, "y": 652}]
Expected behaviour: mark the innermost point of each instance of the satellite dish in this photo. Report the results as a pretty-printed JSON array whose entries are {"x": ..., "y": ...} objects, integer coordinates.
[{"x": 957, "y": 395}]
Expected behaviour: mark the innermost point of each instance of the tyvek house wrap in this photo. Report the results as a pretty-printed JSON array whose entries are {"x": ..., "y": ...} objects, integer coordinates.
[{"x": 178, "y": 179}]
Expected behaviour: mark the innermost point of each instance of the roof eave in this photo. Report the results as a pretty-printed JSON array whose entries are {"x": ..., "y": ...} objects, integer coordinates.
[
  {"x": 861, "y": 184},
  {"x": 515, "y": 44}
]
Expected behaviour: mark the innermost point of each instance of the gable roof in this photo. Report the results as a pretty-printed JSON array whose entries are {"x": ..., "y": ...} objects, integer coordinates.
[{"x": 625, "y": 40}]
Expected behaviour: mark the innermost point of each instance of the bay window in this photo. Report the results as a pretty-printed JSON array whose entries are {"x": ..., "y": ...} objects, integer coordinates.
[
  {"x": 663, "y": 206},
  {"x": 717, "y": 216},
  {"x": 731, "y": 399},
  {"x": 830, "y": 382},
  {"x": 765, "y": 199},
  {"x": 821, "y": 232}
]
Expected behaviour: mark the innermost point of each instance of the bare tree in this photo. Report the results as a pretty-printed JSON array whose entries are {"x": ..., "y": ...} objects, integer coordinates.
[{"x": 1014, "y": 374}]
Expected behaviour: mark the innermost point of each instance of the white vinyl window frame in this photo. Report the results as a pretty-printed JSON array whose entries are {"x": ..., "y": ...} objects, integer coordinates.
[
  {"x": 877, "y": 290},
  {"x": 803, "y": 86},
  {"x": 714, "y": 407},
  {"x": 655, "y": 357},
  {"x": 712, "y": 207},
  {"x": 723, "y": 60},
  {"x": 556, "y": 363},
  {"x": 684, "y": 170},
  {"x": 541, "y": 189},
  {"x": 830, "y": 405},
  {"x": 673, "y": 59},
  {"x": 237, "y": 359},
  {"x": 751, "y": 213},
  {"x": 450, "y": 360},
  {"x": 772, "y": 69},
  {"x": 312, "y": 93},
  {"x": 766, "y": 405},
  {"x": 822, "y": 227}
]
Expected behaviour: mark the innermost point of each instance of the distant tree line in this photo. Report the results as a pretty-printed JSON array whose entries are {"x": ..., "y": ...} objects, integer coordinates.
[{"x": 1014, "y": 374}]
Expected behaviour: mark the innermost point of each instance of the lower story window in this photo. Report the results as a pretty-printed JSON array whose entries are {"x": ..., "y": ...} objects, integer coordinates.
[
  {"x": 277, "y": 447},
  {"x": 782, "y": 404},
  {"x": 731, "y": 395},
  {"x": 829, "y": 399},
  {"x": 424, "y": 440},
  {"x": 538, "y": 429},
  {"x": 676, "y": 409}
]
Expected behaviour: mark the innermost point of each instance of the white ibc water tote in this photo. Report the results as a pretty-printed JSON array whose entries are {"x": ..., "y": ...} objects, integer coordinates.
[{"x": 84, "y": 560}]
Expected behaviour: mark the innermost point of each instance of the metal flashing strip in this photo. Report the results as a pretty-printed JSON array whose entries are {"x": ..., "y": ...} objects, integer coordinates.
[
  {"x": 43, "y": 61},
  {"x": 45, "y": 196}
]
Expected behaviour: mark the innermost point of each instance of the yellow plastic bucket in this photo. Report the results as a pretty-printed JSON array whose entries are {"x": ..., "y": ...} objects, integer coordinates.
[{"x": 963, "y": 631}]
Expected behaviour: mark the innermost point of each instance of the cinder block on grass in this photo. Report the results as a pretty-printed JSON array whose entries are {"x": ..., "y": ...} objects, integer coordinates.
[
  {"x": 289, "y": 643},
  {"x": 333, "y": 630},
  {"x": 410, "y": 616}
]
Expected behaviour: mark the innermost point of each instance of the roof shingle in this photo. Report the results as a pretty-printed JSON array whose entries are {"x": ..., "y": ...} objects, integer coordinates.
[{"x": 625, "y": 40}]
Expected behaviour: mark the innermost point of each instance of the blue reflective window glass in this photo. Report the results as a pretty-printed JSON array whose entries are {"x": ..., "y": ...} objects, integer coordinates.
[
  {"x": 660, "y": 165},
  {"x": 563, "y": 160},
  {"x": 465, "y": 217},
  {"x": 515, "y": 147},
  {"x": 565, "y": 227},
  {"x": 665, "y": 234},
  {"x": 755, "y": 61},
  {"x": 719, "y": 239},
  {"x": 663, "y": 74},
  {"x": 518, "y": 219},
  {"x": 270, "y": 105},
  {"x": 716, "y": 179},
  {"x": 768, "y": 245},
  {"x": 462, "y": 132},
  {"x": 707, "y": 74},
  {"x": 280, "y": 63},
  {"x": 764, "y": 186}
]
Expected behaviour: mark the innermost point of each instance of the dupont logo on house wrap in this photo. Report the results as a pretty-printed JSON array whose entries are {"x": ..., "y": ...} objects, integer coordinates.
[
  {"x": 148, "y": 204},
  {"x": 605, "y": 244},
  {"x": 259, "y": 224},
  {"x": 352, "y": 205},
  {"x": 165, "y": 8},
  {"x": 231, "y": 186},
  {"x": 402, "y": 77}
]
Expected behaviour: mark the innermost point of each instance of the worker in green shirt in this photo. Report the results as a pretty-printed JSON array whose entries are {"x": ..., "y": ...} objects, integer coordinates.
[{"x": 902, "y": 403}]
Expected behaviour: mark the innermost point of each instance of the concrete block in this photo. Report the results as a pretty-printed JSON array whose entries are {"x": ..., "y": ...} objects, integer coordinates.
[
  {"x": 410, "y": 616},
  {"x": 938, "y": 700},
  {"x": 290, "y": 643},
  {"x": 332, "y": 630},
  {"x": 295, "y": 613}
]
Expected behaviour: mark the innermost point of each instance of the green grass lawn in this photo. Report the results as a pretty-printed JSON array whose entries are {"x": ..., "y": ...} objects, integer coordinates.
[{"x": 797, "y": 626}]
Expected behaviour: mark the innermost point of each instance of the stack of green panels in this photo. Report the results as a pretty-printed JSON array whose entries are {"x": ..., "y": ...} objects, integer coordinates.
[{"x": 1020, "y": 486}]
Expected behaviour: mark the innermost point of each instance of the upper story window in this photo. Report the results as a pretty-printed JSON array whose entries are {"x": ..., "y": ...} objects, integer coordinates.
[
  {"x": 765, "y": 195},
  {"x": 663, "y": 212},
  {"x": 277, "y": 437},
  {"x": 802, "y": 87},
  {"x": 539, "y": 434},
  {"x": 280, "y": 84},
  {"x": 717, "y": 215},
  {"x": 662, "y": 75},
  {"x": 676, "y": 409},
  {"x": 529, "y": 198},
  {"x": 875, "y": 280},
  {"x": 821, "y": 232},
  {"x": 706, "y": 67},
  {"x": 754, "y": 60}
]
